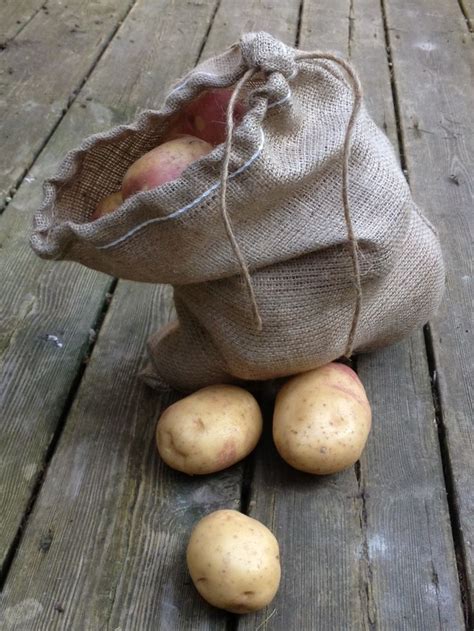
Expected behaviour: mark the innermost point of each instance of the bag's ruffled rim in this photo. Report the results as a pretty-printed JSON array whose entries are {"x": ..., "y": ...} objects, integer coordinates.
[{"x": 51, "y": 240}]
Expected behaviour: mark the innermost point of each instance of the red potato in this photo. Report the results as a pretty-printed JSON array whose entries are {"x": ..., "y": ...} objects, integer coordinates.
[
  {"x": 107, "y": 205},
  {"x": 163, "y": 164},
  {"x": 322, "y": 419},
  {"x": 205, "y": 117}
]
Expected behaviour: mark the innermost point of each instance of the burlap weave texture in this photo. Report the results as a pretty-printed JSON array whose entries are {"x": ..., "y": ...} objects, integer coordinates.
[{"x": 284, "y": 200}]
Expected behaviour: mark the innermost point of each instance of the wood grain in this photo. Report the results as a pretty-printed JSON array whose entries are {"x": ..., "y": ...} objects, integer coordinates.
[
  {"x": 433, "y": 65},
  {"x": 371, "y": 548},
  {"x": 15, "y": 14},
  {"x": 277, "y": 17},
  {"x": 317, "y": 523},
  {"x": 419, "y": 588},
  {"x": 42, "y": 301},
  {"x": 41, "y": 69},
  {"x": 410, "y": 554}
]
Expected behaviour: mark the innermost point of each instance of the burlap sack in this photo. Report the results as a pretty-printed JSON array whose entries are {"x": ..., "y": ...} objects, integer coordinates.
[{"x": 334, "y": 261}]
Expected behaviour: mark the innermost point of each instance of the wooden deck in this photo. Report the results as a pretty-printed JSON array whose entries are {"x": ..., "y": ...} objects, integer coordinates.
[{"x": 93, "y": 526}]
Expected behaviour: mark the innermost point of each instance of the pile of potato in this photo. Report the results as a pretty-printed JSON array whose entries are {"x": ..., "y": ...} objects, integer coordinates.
[
  {"x": 321, "y": 422},
  {"x": 321, "y": 419}
]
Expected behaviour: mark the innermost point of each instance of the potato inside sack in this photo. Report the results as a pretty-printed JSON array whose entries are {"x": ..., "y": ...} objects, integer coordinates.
[
  {"x": 205, "y": 117},
  {"x": 234, "y": 561},
  {"x": 163, "y": 164},
  {"x": 322, "y": 419},
  {"x": 196, "y": 130},
  {"x": 209, "y": 430},
  {"x": 107, "y": 205}
]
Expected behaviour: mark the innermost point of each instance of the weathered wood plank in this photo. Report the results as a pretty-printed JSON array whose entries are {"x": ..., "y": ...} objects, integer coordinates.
[
  {"x": 410, "y": 554},
  {"x": 278, "y": 18},
  {"x": 15, "y": 14},
  {"x": 41, "y": 299},
  {"x": 419, "y": 588},
  {"x": 46, "y": 327},
  {"x": 433, "y": 62},
  {"x": 108, "y": 534},
  {"x": 40, "y": 70},
  {"x": 374, "y": 555}
]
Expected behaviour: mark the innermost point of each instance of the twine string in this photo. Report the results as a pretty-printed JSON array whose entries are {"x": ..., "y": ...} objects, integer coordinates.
[
  {"x": 357, "y": 93},
  {"x": 223, "y": 194}
]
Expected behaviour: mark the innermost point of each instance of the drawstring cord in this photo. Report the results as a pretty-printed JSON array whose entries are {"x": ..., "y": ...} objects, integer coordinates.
[
  {"x": 357, "y": 92},
  {"x": 225, "y": 215},
  {"x": 354, "y": 250}
]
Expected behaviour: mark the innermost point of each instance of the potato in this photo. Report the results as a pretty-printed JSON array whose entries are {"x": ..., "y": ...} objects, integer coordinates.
[
  {"x": 163, "y": 164},
  {"x": 107, "y": 205},
  {"x": 234, "y": 561},
  {"x": 322, "y": 419},
  {"x": 209, "y": 430},
  {"x": 205, "y": 117}
]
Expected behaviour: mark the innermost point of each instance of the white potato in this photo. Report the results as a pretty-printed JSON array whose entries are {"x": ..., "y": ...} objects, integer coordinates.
[
  {"x": 234, "y": 561},
  {"x": 209, "y": 430},
  {"x": 322, "y": 419}
]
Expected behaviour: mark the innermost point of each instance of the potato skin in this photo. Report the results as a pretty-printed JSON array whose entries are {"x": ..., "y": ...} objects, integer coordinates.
[
  {"x": 322, "y": 419},
  {"x": 107, "y": 205},
  {"x": 162, "y": 164},
  {"x": 205, "y": 116},
  {"x": 209, "y": 430},
  {"x": 234, "y": 561}
]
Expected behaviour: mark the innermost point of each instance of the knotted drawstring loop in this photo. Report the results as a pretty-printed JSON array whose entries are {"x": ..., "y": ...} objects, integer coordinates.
[{"x": 357, "y": 92}]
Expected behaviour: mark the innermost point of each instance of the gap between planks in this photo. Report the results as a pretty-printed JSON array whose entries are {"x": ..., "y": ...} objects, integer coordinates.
[
  {"x": 298, "y": 24},
  {"x": 460, "y": 553},
  {"x": 7, "y": 41},
  {"x": 431, "y": 362},
  {"x": 365, "y": 572},
  {"x": 466, "y": 16},
  {"x": 366, "y": 566},
  {"x": 208, "y": 30},
  {"x": 393, "y": 87}
]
